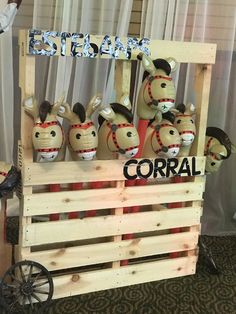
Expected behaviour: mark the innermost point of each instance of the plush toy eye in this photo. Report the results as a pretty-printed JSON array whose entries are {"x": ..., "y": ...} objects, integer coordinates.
[
  {"x": 53, "y": 133},
  {"x": 37, "y": 134},
  {"x": 178, "y": 121},
  {"x": 213, "y": 164},
  {"x": 163, "y": 85},
  {"x": 94, "y": 133},
  {"x": 78, "y": 135},
  {"x": 172, "y": 132},
  {"x": 129, "y": 134}
]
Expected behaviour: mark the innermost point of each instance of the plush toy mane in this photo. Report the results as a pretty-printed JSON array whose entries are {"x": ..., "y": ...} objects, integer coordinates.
[
  {"x": 118, "y": 108},
  {"x": 80, "y": 111},
  {"x": 222, "y": 137},
  {"x": 44, "y": 109},
  {"x": 159, "y": 64}
]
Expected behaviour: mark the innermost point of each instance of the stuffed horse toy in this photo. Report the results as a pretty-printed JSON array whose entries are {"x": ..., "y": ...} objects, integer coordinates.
[
  {"x": 162, "y": 139},
  {"x": 47, "y": 133},
  {"x": 184, "y": 122},
  {"x": 117, "y": 134},
  {"x": 9, "y": 178},
  {"x": 218, "y": 147},
  {"x": 82, "y": 136},
  {"x": 8, "y": 14},
  {"x": 157, "y": 92}
]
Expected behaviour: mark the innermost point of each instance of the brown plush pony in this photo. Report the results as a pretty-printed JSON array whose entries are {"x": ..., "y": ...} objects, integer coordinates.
[
  {"x": 117, "y": 134},
  {"x": 82, "y": 136},
  {"x": 185, "y": 123},
  {"x": 47, "y": 133},
  {"x": 162, "y": 139},
  {"x": 218, "y": 147},
  {"x": 157, "y": 92}
]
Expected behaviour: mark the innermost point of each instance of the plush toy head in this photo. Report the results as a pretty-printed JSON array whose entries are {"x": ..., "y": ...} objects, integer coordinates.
[
  {"x": 82, "y": 135},
  {"x": 157, "y": 92},
  {"x": 218, "y": 147},
  {"x": 163, "y": 139},
  {"x": 117, "y": 132},
  {"x": 184, "y": 123},
  {"x": 47, "y": 134}
]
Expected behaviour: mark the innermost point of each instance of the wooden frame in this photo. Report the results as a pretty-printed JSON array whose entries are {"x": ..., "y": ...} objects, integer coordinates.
[{"x": 96, "y": 243}]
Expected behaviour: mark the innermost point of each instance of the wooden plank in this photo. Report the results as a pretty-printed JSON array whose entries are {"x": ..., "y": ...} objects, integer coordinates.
[
  {"x": 112, "y": 225},
  {"x": 80, "y": 283},
  {"x": 27, "y": 85},
  {"x": 122, "y": 86},
  {"x": 187, "y": 52},
  {"x": 114, "y": 251},
  {"x": 69, "y": 201},
  {"x": 202, "y": 89},
  {"x": 89, "y": 171}
]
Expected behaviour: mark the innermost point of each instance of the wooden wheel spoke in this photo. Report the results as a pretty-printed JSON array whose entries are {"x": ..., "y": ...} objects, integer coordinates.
[
  {"x": 41, "y": 292},
  {"x": 37, "y": 276},
  {"x": 15, "y": 302},
  {"x": 15, "y": 278},
  {"x": 22, "y": 273},
  {"x": 30, "y": 301},
  {"x": 40, "y": 284},
  {"x": 30, "y": 272},
  {"x": 36, "y": 297}
]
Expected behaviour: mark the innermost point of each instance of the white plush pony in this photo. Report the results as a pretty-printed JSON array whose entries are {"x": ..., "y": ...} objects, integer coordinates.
[{"x": 8, "y": 10}]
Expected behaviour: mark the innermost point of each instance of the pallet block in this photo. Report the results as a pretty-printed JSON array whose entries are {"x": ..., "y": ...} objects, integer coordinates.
[{"x": 84, "y": 254}]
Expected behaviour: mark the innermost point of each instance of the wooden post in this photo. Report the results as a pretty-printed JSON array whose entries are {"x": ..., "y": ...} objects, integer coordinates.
[
  {"x": 122, "y": 85},
  {"x": 27, "y": 85}
]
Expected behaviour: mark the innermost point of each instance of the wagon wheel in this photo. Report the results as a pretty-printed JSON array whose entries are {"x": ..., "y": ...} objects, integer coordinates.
[{"x": 24, "y": 284}]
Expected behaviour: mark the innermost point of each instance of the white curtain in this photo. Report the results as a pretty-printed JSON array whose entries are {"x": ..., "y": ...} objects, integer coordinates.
[
  {"x": 80, "y": 78},
  {"x": 205, "y": 21},
  {"x": 6, "y": 97}
]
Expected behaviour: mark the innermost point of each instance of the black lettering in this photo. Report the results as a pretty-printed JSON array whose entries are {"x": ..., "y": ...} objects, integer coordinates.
[
  {"x": 119, "y": 46},
  {"x": 172, "y": 164},
  {"x": 159, "y": 165},
  {"x": 184, "y": 168},
  {"x": 194, "y": 171},
  {"x": 64, "y": 36},
  {"x": 75, "y": 45},
  {"x": 142, "y": 43},
  {"x": 125, "y": 169},
  {"x": 50, "y": 43},
  {"x": 88, "y": 47},
  {"x": 106, "y": 46},
  {"x": 139, "y": 168}
]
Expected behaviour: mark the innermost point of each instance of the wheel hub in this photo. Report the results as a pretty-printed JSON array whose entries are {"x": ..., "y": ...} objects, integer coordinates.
[{"x": 27, "y": 288}]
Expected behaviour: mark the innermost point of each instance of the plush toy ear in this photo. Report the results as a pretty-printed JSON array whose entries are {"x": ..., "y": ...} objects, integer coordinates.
[
  {"x": 158, "y": 116},
  {"x": 233, "y": 148},
  {"x": 93, "y": 105},
  {"x": 125, "y": 101},
  {"x": 31, "y": 106},
  {"x": 173, "y": 64},
  {"x": 148, "y": 65},
  {"x": 190, "y": 108},
  {"x": 219, "y": 150},
  {"x": 107, "y": 113}
]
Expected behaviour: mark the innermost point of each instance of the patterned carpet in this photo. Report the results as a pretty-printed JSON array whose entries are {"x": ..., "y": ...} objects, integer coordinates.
[{"x": 202, "y": 293}]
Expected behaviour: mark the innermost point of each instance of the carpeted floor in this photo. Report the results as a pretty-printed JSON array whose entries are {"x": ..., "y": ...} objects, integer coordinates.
[{"x": 202, "y": 293}]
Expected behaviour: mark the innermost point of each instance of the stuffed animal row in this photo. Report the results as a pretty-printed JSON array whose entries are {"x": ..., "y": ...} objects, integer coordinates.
[{"x": 170, "y": 133}]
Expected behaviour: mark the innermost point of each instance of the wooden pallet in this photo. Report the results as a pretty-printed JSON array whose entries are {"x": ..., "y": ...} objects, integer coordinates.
[{"x": 84, "y": 254}]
